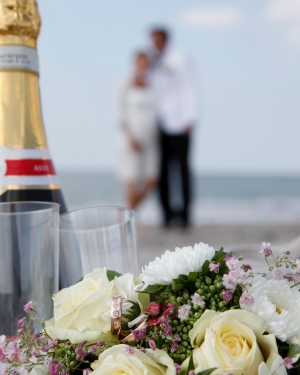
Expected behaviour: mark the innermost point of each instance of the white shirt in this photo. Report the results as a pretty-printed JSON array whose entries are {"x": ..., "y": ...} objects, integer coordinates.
[{"x": 174, "y": 81}]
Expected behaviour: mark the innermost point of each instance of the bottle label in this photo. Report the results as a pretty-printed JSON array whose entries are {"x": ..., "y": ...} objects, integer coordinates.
[
  {"x": 24, "y": 169},
  {"x": 19, "y": 57}
]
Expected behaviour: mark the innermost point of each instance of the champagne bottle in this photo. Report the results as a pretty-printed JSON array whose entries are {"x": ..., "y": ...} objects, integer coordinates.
[{"x": 26, "y": 169}]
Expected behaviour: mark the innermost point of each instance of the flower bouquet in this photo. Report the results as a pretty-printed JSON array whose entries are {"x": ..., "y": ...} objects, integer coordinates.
[{"x": 192, "y": 311}]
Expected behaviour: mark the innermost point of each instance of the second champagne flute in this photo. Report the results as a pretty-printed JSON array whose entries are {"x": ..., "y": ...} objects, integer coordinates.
[{"x": 97, "y": 237}]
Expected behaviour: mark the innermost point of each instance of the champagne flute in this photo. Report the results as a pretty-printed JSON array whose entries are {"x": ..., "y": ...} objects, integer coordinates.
[
  {"x": 97, "y": 237},
  {"x": 29, "y": 235}
]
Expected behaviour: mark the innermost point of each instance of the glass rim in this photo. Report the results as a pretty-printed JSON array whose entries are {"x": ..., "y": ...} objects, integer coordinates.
[
  {"x": 51, "y": 205},
  {"x": 116, "y": 208}
]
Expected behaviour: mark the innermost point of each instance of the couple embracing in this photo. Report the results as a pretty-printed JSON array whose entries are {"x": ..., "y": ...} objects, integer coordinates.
[{"x": 158, "y": 111}]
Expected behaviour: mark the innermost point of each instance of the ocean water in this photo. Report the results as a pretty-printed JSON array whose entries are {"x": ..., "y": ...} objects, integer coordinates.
[{"x": 216, "y": 199}]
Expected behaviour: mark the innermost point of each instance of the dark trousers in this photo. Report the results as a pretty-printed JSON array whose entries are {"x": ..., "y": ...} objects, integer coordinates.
[{"x": 174, "y": 165}]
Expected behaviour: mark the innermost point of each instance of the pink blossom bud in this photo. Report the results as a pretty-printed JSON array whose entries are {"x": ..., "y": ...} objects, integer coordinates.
[
  {"x": 288, "y": 362},
  {"x": 28, "y": 307},
  {"x": 152, "y": 344},
  {"x": 214, "y": 267},
  {"x": 153, "y": 308},
  {"x": 227, "y": 295}
]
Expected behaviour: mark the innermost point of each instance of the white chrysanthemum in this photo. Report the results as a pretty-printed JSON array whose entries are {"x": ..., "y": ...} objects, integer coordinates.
[
  {"x": 179, "y": 262},
  {"x": 278, "y": 304}
]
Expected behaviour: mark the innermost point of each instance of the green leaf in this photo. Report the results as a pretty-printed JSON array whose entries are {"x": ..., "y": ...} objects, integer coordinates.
[
  {"x": 191, "y": 365},
  {"x": 192, "y": 277},
  {"x": 207, "y": 372},
  {"x": 223, "y": 269},
  {"x": 154, "y": 289},
  {"x": 220, "y": 255},
  {"x": 160, "y": 342},
  {"x": 293, "y": 350},
  {"x": 111, "y": 274},
  {"x": 205, "y": 267},
  {"x": 181, "y": 279}
]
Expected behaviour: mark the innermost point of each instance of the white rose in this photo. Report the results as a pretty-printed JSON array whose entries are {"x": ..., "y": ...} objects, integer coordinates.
[
  {"x": 277, "y": 368},
  {"x": 123, "y": 359},
  {"x": 39, "y": 370},
  {"x": 231, "y": 341},
  {"x": 82, "y": 311}
]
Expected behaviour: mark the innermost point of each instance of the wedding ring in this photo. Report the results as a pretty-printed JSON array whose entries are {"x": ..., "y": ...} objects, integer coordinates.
[{"x": 116, "y": 315}]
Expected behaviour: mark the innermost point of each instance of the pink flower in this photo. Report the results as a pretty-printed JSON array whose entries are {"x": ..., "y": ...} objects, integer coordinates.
[
  {"x": 246, "y": 299},
  {"x": 152, "y": 344},
  {"x": 21, "y": 331},
  {"x": 233, "y": 263},
  {"x": 21, "y": 322},
  {"x": 214, "y": 267},
  {"x": 12, "y": 352},
  {"x": 197, "y": 300},
  {"x": 170, "y": 311},
  {"x": 87, "y": 371},
  {"x": 265, "y": 249},
  {"x": 277, "y": 274},
  {"x": 184, "y": 311},
  {"x": 174, "y": 346},
  {"x": 288, "y": 362},
  {"x": 80, "y": 352},
  {"x": 247, "y": 267},
  {"x": 99, "y": 343},
  {"x": 237, "y": 276},
  {"x": 28, "y": 307},
  {"x": 240, "y": 275},
  {"x": 177, "y": 337},
  {"x": 139, "y": 334},
  {"x": 53, "y": 343},
  {"x": 177, "y": 367},
  {"x": 2, "y": 356},
  {"x": 227, "y": 295},
  {"x": 153, "y": 308},
  {"x": 54, "y": 368},
  {"x": 166, "y": 327},
  {"x": 191, "y": 372},
  {"x": 128, "y": 350},
  {"x": 229, "y": 282}
]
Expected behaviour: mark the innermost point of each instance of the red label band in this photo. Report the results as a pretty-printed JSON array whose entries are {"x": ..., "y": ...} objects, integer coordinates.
[{"x": 29, "y": 167}]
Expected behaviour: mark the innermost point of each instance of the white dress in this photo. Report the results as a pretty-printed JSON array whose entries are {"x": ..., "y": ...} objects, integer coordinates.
[{"x": 137, "y": 111}]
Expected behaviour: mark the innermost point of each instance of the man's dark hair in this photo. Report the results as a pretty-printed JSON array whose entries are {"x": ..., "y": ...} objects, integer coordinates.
[{"x": 162, "y": 31}]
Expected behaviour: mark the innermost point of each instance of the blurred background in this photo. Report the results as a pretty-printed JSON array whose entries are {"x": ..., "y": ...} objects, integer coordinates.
[{"x": 245, "y": 151}]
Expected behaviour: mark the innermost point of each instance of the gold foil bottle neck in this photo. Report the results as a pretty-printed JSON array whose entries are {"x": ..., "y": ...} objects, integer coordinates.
[
  {"x": 21, "y": 123},
  {"x": 20, "y": 22}
]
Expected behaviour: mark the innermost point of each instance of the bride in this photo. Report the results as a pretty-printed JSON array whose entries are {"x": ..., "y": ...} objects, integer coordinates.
[{"x": 138, "y": 153}]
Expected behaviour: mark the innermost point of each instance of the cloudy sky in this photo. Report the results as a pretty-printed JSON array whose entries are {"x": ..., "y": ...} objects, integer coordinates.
[{"x": 248, "y": 56}]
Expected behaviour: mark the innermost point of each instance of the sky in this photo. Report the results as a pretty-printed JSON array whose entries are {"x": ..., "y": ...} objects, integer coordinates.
[{"x": 248, "y": 58}]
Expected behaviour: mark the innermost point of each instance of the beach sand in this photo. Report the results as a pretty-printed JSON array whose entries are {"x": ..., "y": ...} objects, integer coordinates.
[{"x": 153, "y": 241}]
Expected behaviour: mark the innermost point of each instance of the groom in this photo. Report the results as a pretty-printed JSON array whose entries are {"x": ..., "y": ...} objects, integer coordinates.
[{"x": 173, "y": 79}]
